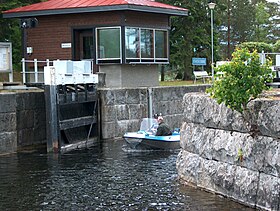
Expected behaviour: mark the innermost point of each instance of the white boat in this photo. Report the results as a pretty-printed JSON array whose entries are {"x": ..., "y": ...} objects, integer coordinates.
[{"x": 144, "y": 139}]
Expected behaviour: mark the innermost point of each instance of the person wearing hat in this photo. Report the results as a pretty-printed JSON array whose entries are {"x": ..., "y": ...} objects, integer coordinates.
[{"x": 163, "y": 129}]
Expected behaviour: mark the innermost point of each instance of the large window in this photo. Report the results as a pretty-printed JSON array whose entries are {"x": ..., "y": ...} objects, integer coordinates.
[
  {"x": 142, "y": 45},
  {"x": 108, "y": 45},
  {"x": 132, "y": 43},
  {"x": 146, "y": 45},
  {"x": 161, "y": 43}
]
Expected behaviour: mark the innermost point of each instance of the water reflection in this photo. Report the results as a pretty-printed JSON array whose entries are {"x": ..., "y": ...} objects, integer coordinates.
[{"x": 106, "y": 178}]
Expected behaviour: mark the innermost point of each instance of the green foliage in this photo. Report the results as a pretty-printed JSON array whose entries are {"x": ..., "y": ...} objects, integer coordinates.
[
  {"x": 261, "y": 22},
  {"x": 276, "y": 47},
  {"x": 189, "y": 33},
  {"x": 11, "y": 31},
  {"x": 258, "y": 46},
  {"x": 244, "y": 79}
]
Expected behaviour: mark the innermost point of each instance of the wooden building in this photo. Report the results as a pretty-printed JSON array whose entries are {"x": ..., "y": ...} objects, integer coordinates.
[{"x": 126, "y": 39}]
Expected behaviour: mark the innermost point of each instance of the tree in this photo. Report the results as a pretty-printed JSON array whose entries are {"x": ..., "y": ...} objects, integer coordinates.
[
  {"x": 189, "y": 36},
  {"x": 258, "y": 46},
  {"x": 244, "y": 79},
  {"x": 10, "y": 29},
  {"x": 261, "y": 21}
]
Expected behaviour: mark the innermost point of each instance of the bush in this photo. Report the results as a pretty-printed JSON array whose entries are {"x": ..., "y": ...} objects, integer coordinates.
[
  {"x": 258, "y": 46},
  {"x": 244, "y": 79},
  {"x": 276, "y": 47}
]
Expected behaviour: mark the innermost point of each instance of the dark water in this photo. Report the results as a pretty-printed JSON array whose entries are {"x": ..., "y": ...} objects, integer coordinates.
[{"x": 101, "y": 178}]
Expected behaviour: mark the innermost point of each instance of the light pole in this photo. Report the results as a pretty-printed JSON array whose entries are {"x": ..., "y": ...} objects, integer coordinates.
[{"x": 211, "y": 6}]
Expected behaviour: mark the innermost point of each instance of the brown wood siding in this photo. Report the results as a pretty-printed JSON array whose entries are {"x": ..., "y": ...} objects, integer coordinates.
[
  {"x": 149, "y": 20},
  {"x": 52, "y": 31}
]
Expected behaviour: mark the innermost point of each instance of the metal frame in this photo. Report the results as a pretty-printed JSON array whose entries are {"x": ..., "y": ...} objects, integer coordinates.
[{"x": 7, "y": 46}]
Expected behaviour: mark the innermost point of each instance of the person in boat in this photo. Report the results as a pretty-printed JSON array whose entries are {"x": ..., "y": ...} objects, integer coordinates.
[
  {"x": 163, "y": 129},
  {"x": 153, "y": 129}
]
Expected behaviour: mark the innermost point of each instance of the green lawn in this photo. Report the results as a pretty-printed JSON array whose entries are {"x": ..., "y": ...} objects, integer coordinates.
[{"x": 179, "y": 83}]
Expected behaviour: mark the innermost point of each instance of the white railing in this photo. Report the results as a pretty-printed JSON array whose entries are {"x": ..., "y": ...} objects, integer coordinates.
[
  {"x": 34, "y": 75},
  {"x": 274, "y": 56},
  {"x": 31, "y": 72}
]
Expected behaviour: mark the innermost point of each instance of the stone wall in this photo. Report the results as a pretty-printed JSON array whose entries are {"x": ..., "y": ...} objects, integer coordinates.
[
  {"x": 123, "y": 108},
  {"x": 212, "y": 138},
  {"x": 23, "y": 117},
  {"x": 22, "y": 120},
  {"x": 8, "y": 133},
  {"x": 31, "y": 118}
]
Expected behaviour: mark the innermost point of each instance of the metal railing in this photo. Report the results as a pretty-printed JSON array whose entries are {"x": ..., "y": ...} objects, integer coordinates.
[
  {"x": 33, "y": 75},
  {"x": 31, "y": 72},
  {"x": 275, "y": 57}
]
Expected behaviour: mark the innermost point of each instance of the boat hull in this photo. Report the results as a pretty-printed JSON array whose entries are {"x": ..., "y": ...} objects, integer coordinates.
[{"x": 144, "y": 141}]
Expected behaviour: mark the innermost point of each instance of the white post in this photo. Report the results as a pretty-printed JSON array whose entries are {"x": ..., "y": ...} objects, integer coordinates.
[
  {"x": 36, "y": 70},
  {"x": 212, "y": 47},
  {"x": 11, "y": 78},
  {"x": 150, "y": 102},
  {"x": 211, "y": 6},
  {"x": 23, "y": 71}
]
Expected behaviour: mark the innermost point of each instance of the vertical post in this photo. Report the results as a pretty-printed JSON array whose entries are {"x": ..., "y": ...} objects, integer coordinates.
[
  {"x": 23, "y": 71},
  {"x": 262, "y": 57},
  {"x": 211, "y": 6},
  {"x": 36, "y": 70},
  {"x": 51, "y": 110},
  {"x": 11, "y": 78},
  {"x": 228, "y": 31},
  {"x": 212, "y": 46},
  {"x": 150, "y": 103}
]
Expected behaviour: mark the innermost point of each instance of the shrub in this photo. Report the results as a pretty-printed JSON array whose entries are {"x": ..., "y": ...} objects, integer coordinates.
[
  {"x": 244, "y": 79},
  {"x": 258, "y": 46},
  {"x": 276, "y": 47}
]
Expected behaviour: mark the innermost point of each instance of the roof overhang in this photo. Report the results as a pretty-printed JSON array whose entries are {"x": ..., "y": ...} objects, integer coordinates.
[{"x": 138, "y": 8}]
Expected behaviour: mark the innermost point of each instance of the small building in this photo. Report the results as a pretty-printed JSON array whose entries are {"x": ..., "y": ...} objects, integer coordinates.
[{"x": 126, "y": 39}]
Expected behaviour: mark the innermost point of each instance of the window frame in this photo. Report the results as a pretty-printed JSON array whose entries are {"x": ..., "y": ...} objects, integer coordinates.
[
  {"x": 116, "y": 60},
  {"x": 153, "y": 59}
]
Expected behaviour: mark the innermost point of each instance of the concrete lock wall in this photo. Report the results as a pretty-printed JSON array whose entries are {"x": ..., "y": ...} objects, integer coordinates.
[
  {"x": 212, "y": 137},
  {"x": 122, "y": 109},
  {"x": 23, "y": 117},
  {"x": 22, "y": 120}
]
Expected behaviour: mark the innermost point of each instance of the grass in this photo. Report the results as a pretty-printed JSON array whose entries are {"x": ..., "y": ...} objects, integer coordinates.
[
  {"x": 4, "y": 77},
  {"x": 180, "y": 83}
]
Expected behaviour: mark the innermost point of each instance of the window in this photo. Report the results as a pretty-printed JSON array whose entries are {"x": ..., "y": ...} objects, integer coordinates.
[
  {"x": 161, "y": 44},
  {"x": 132, "y": 43},
  {"x": 146, "y": 45},
  {"x": 147, "y": 41},
  {"x": 108, "y": 45}
]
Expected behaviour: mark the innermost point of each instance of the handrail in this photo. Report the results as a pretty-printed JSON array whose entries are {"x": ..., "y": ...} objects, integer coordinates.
[{"x": 36, "y": 72}]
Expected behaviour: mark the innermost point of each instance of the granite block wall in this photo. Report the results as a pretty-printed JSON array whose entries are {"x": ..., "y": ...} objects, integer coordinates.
[
  {"x": 22, "y": 120},
  {"x": 220, "y": 152},
  {"x": 122, "y": 109}
]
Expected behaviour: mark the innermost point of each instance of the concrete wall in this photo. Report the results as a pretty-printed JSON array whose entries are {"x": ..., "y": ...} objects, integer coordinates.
[
  {"x": 212, "y": 137},
  {"x": 123, "y": 108},
  {"x": 8, "y": 133},
  {"x": 130, "y": 75},
  {"x": 22, "y": 120}
]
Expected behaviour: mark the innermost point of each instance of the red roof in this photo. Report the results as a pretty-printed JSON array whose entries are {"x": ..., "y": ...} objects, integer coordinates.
[{"x": 79, "y": 6}]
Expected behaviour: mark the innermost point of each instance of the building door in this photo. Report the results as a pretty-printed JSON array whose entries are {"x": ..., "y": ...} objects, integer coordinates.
[{"x": 83, "y": 41}]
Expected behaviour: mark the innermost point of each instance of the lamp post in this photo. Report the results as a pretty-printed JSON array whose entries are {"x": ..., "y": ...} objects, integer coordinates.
[{"x": 211, "y": 6}]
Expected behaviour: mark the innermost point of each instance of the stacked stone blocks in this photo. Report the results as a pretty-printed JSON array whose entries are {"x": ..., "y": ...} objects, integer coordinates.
[
  {"x": 122, "y": 109},
  {"x": 212, "y": 136},
  {"x": 22, "y": 120}
]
